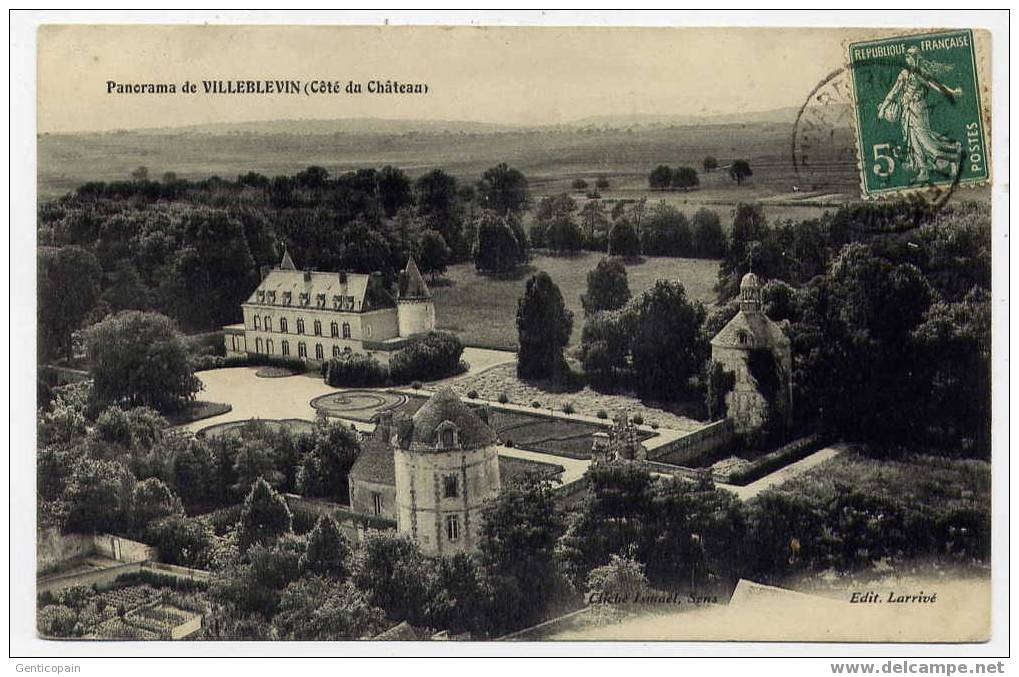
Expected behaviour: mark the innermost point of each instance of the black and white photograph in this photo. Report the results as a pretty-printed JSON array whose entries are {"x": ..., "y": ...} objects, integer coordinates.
[{"x": 501, "y": 334}]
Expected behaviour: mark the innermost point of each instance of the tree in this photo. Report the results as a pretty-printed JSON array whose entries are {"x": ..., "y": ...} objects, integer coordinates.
[
  {"x": 69, "y": 280},
  {"x": 313, "y": 177},
  {"x": 684, "y": 178},
  {"x": 667, "y": 346},
  {"x": 517, "y": 544},
  {"x": 137, "y": 429},
  {"x": 660, "y": 177},
  {"x": 605, "y": 346},
  {"x": 622, "y": 578},
  {"x": 394, "y": 575},
  {"x": 602, "y": 182},
  {"x": 497, "y": 249},
  {"x": 324, "y": 470},
  {"x": 434, "y": 254},
  {"x": 393, "y": 190},
  {"x": 563, "y": 235},
  {"x": 366, "y": 250},
  {"x": 193, "y": 471},
  {"x": 708, "y": 236},
  {"x": 126, "y": 290},
  {"x": 503, "y": 189},
  {"x": 57, "y": 620},
  {"x": 550, "y": 210},
  {"x": 254, "y": 460},
  {"x": 264, "y": 516},
  {"x": 710, "y": 164},
  {"x": 98, "y": 495},
  {"x": 607, "y": 287},
  {"x": 140, "y": 174},
  {"x": 623, "y": 240},
  {"x": 543, "y": 325},
  {"x": 327, "y": 550},
  {"x": 211, "y": 272},
  {"x": 437, "y": 194},
  {"x": 313, "y": 608},
  {"x": 579, "y": 185},
  {"x": 666, "y": 232},
  {"x": 181, "y": 540},
  {"x": 140, "y": 359},
  {"x": 740, "y": 171},
  {"x": 593, "y": 220},
  {"x": 152, "y": 500}
]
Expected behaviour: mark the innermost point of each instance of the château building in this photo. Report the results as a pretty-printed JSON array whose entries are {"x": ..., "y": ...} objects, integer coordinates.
[
  {"x": 433, "y": 473},
  {"x": 748, "y": 331},
  {"x": 313, "y": 315}
]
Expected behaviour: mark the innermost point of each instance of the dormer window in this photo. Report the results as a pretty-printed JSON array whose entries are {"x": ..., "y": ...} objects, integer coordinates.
[
  {"x": 447, "y": 435},
  {"x": 321, "y": 300},
  {"x": 287, "y": 298},
  {"x": 304, "y": 298},
  {"x": 260, "y": 295},
  {"x": 270, "y": 296},
  {"x": 337, "y": 302},
  {"x": 350, "y": 302},
  {"x": 743, "y": 337}
]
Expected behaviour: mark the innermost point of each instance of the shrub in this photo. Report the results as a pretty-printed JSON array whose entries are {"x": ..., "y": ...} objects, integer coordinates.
[
  {"x": 416, "y": 385},
  {"x": 568, "y": 408},
  {"x": 508, "y": 443},
  {"x": 654, "y": 425},
  {"x": 355, "y": 369},
  {"x": 637, "y": 419},
  {"x": 57, "y": 621},
  {"x": 472, "y": 394},
  {"x": 536, "y": 404},
  {"x": 503, "y": 398},
  {"x": 602, "y": 413},
  {"x": 434, "y": 356}
]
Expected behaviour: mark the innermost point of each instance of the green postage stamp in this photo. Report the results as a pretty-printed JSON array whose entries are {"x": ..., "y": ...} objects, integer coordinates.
[{"x": 919, "y": 119}]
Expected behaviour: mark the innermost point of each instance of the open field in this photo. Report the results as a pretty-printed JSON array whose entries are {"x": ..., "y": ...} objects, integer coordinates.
[
  {"x": 549, "y": 157},
  {"x": 482, "y": 310}
]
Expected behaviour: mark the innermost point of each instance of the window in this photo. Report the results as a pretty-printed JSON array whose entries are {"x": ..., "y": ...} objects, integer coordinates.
[
  {"x": 302, "y": 350},
  {"x": 304, "y": 298},
  {"x": 268, "y": 323},
  {"x": 346, "y": 330},
  {"x": 283, "y": 325},
  {"x": 269, "y": 347},
  {"x": 300, "y": 325},
  {"x": 271, "y": 297},
  {"x": 337, "y": 302},
  {"x": 321, "y": 299},
  {"x": 742, "y": 337},
  {"x": 288, "y": 297},
  {"x": 367, "y": 330},
  {"x": 258, "y": 345},
  {"x": 260, "y": 295},
  {"x": 318, "y": 351},
  {"x": 318, "y": 328},
  {"x": 336, "y": 351},
  {"x": 450, "y": 486},
  {"x": 334, "y": 330},
  {"x": 447, "y": 437},
  {"x": 453, "y": 527},
  {"x": 285, "y": 347},
  {"x": 258, "y": 322},
  {"x": 377, "y": 503},
  {"x": 233, "y": 343}
]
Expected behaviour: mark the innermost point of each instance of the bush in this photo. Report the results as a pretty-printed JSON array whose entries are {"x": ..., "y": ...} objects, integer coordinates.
[
  {"x": 503, "y": 398},
  {"x": 416, "y": 385},
  {"x": 206, "y": 362},
  {"x": 637, "y": 419},
  {"x": 57, "y": 621},
  {"x": 602, "y": 413},
  {"x": 355, "y": 369},
  {"x": 508, "y": 443},
  {"x": 781, "y": 457},
  {"x": 568, "y": 408},
  {"x": 434, "y": 356},
  {"x": 472, "y": 394},
  {"x": 536, "y": 404}
]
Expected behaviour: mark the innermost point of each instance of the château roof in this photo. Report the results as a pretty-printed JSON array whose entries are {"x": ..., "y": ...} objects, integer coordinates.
[
  {"x": 759, "y": 330},
  {"x": 375, "y": 463},
  {"x": 412, "y": 285},
  {"x": 342, "y": 291},
  {"x": 445, "y": 405}
]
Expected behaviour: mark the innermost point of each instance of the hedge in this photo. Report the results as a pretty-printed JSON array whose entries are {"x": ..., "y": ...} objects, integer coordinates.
[
  {"x": 781, "y": 457},
  {"x": 354, "y": 369},
  {"x": 434, "y": 356},
  {"x": 205, "y": 362}
]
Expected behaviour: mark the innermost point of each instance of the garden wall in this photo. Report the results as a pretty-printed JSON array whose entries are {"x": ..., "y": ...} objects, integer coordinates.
[
  {"x": 683, "y": 450},
  {"x": 53, "y": 548},
  {"x": 352, "y": 524}
]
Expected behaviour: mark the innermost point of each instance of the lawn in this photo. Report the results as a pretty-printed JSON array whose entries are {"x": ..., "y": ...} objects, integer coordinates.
[{"x": 482, "y": 310}]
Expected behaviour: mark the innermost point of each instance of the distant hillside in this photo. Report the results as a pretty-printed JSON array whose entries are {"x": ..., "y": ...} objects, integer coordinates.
[{"x": 355, "y": 126}]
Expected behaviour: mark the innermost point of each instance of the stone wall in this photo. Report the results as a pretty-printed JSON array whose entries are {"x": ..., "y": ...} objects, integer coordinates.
[
  {"x": 352, "y": 524},
  {"x": 97, "y": 577},
  {"x": 53, "y": 548},
  {"x": 706, "y": 440}
]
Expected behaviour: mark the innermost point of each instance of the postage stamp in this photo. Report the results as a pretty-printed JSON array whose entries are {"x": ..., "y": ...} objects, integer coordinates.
[{"x": 919, "y": 119}]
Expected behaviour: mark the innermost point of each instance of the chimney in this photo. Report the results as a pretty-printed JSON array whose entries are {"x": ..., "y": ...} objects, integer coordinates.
[
  {"x": 307, "y": 275},
  {"x": 263, "y": 271},
  {"x": 343, "y": 277}
]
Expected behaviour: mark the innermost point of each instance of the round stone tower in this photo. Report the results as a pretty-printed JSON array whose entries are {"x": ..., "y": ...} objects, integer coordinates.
[
  {"x": 415, "y": 308},
  {"x": 447, "y": 470}
]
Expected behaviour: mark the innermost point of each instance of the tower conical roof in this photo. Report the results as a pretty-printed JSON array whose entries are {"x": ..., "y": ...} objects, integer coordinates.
[
  {"x": 412, "y": 285},
  {"x": 287, "y": 263}
]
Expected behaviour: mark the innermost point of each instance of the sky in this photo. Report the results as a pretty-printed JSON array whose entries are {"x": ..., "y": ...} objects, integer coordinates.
[{"x": 517, "y": 75}]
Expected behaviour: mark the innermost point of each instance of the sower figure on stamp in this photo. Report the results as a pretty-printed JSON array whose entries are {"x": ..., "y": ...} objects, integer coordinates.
[{"x": 907, "y": 103}]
